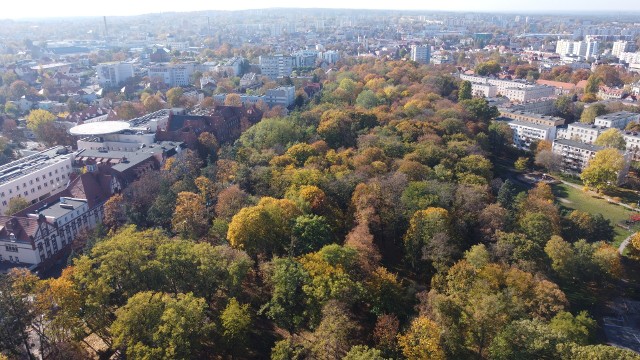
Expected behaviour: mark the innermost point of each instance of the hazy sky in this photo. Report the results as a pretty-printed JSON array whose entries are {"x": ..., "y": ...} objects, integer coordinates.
[{"x": 58, "y": 8}]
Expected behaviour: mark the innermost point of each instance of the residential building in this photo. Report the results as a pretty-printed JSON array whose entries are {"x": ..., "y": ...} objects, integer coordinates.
[
  {"x": 276, "y": 66},
  {"x": 330, "y": 56},
  {"x": 528, "y": 93},
  {"x": 249, "y": 80},
  {"x": 618, "y": 120},
  {"x": 543, "y": 106},
  {"x": 483, "y": 90},
  {"x": 113, "y": 74},
  {"x": 562, "y": 88},
  {"x": 421, "y": 53},
  {"x": 526, "y": 133},
  {"x": 36, "y": 176},
  {"x": 575, "y": 154},
  {"x": 41, "y": 234},
  {"x": 586, "y": 133},
  {"x": 305, "y": 58},
  {"x": 283, "y": 96},
  {"x": 564, "y": 47},
  {"x": 622, "y": 46},
  {"x": 532, "y": 118},
  {"x": 172, "y": 74},
  {"x": 515, "y": 90},
  {"x": 632, "y": 141}
]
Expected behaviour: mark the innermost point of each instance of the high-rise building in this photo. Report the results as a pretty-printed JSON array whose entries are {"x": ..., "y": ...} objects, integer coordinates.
[
  {"x": 172, "y": 74},
  {"x": 421, "y": 53},
  {"x": 622, "y": 46},
  {"x": 114, "y": 73},
  {"x": 276, "y": 66},
  {"x": 564, "y": 47}
]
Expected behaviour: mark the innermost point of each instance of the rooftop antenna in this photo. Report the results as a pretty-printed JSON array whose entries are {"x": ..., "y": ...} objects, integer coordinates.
[{"x": 209, "y": 23}]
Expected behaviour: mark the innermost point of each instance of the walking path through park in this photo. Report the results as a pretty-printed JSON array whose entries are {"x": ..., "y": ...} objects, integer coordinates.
[{"x": 626, "y": 241}]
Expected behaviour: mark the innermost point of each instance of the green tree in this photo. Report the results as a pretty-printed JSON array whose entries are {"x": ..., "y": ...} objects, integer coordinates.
[
  {"x": 37, "y": 121},
  {"x": 159, "y": 326},
  {"x": 589, "y": 114},
  {"x": 603, "y": 170},
  {"x": 611, "y": 138},
  {"x": 174, "y": 96},
  {"x": 488, "y": 68},
  {"x": 287, "y": 304},
  {"x": 464, "y": 93},
  {"x": 423, "y": 227},
  {"x": 367, "y": 99},
  {"x": 16, "y": 204},
  {"x": 363, "y": 352},
  {"x": 522, "y": 163},
  {"x": 480, "y": 109},
  {"x": 236, "y": 324},
  {"x": 593, "y": 84},
  {"x": 17, "y": 313},
  {"x": 310, "y": 233}
]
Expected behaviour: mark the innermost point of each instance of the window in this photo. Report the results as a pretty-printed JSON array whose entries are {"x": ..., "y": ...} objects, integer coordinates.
[
  {"x": 24, "y": 185},
  {"x": 39, "y": 187},
  {"x": 11, "y": 248},
  {"x": 38, "y": 179},
  {"x": 30, "y": 182},
  {"x": 4, "y": 203},
  {"x": 44, "y": 177}
]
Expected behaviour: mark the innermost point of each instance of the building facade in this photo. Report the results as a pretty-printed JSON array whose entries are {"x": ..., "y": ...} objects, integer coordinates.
[
  {"x": 421, "y": 53},
  {"x": 113, "y": 74},
  {"x": 36, "y": 176},
  {"x": 276, "y": 66}
]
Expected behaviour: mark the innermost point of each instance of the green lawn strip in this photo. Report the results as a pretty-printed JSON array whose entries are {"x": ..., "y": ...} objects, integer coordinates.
[{"x": 578, "y": 200}]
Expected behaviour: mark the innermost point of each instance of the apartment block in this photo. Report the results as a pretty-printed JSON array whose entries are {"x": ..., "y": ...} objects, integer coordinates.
[
  {"x": 172, "y": 74},
  {"x": 532, "y": 118},
  {"x": 36, "y": 176},
  {"x": 618, "y": 120},
  {"x": 421, "y": 53},
  {"x": 586, "y": 133},
  {"x": 526, "y": 133},
  {"x": 276, "y": 66},
  {"x": 114, "y": 73}
]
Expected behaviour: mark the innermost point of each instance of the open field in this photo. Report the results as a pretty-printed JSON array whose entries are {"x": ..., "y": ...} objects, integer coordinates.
[{"x": 574, "y": 199}]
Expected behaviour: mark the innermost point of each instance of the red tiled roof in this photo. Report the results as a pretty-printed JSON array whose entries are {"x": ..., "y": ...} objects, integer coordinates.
[{"x": 557, "y": 84}]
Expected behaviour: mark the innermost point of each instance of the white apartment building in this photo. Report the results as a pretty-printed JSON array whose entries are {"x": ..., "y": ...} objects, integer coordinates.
[
  {"x": 528, "y": 93},
  {"x": 114, "y": 73},
  {"x": 632, "y": 141},
  {"x": 622, "y": 46},
  {"x": 526, "y": 133},
  {"x": 483, "y": 90},
  {"x": 36, "y": 176},
  {"x": 618, "y": 120},
  {"x": 172, "y": 74},
  {"x": 284, "y": 96},
  {"x": 543, "y": 106},
  {"x": 630, "y": 57},
  {"x": 532, "y": 117},
  {"x": 276, "y": 66},
  {"x": 564, "y": 47},
  {"x": 330, "y": 56},
  {"x": 514, "y": 90},
  {"x": 586, "y": 49},
  {"x": 305, "y": 58},
  {"x": 586, "y": 133},
  {"x": 575, "y": 155},
  {"x": 421, "y": 53}
]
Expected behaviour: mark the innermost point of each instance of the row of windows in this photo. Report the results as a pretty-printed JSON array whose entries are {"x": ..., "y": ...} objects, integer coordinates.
[
  {"x": 11, "y": 258},
  {"x": 11, "y": 248},
  {"x": 24, "y": 185}
]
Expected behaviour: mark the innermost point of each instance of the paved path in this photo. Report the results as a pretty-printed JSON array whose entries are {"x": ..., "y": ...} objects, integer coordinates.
[
  {"x": 624, "y": 244},
  {"x": 626, "y": 241}
]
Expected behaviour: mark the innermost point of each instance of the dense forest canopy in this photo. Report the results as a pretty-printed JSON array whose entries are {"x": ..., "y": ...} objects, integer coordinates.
[{"x": 367, "y": 224}]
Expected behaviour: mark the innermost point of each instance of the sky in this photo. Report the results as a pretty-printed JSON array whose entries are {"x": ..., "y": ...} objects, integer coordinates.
[{"x": 72, "y": 8}]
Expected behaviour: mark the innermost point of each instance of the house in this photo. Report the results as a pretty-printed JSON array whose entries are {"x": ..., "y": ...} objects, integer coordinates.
[{"x": 41, "y": 234}]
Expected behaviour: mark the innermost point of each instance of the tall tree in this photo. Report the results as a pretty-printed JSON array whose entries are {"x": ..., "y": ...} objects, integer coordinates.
[{"x": 603, "y": 170}]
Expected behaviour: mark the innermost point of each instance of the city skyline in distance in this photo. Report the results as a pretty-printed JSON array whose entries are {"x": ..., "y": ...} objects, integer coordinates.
[{"x": 78, "y": 8}]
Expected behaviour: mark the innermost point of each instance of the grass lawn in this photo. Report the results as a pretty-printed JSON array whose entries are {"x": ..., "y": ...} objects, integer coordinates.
[{"x": 574, "y": 199}]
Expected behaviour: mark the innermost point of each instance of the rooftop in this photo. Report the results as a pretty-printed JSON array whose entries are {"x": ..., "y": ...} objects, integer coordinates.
[
  {"x": 528, "y": 124},
  {"x": 578, "y": 144},
  {"x": 620, "y": 115},
  {"x": 99, "y": 128},
  {"x": 587, "y": 126},
  {"x": 60, "y": 208},
  {"x": 143, "y": 121},
  {"x": 31, "y": 163}
]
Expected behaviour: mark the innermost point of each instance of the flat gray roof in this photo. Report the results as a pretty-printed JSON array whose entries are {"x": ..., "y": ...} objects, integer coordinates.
[
  {"x": 578, "y": 144},
  {"x": 57, "y": 209}
]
